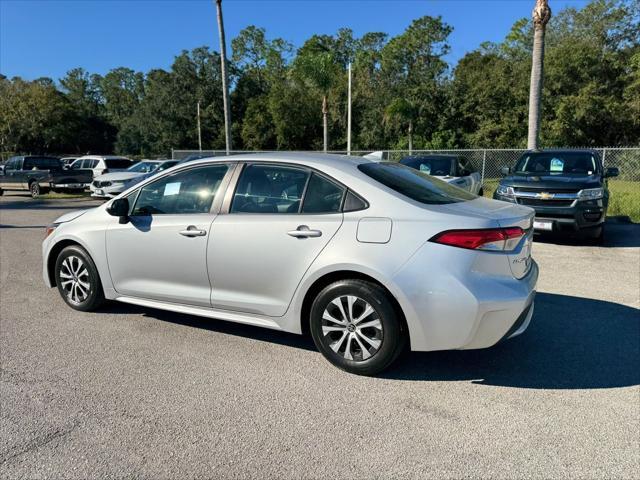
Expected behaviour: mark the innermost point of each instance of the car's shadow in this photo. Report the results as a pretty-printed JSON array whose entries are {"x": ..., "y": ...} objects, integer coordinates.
[
  {"x": 572, "y": 343},
  {"x": 617, "y": 234}
]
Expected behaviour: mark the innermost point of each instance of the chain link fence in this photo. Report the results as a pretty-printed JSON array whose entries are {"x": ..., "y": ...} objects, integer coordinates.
[{"x": 625, "y": 189}]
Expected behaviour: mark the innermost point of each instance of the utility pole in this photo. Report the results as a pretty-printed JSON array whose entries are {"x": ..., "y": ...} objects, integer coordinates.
[
  {"x": 199, "y": 129},
  {"x": 225, "y": 79},
  {"x": 349, "y": 114}
]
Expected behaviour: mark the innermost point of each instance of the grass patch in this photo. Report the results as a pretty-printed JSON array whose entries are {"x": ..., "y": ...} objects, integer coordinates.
[
  {"x": 624, "y": 197},
  {"x": 62, "y": 195}
]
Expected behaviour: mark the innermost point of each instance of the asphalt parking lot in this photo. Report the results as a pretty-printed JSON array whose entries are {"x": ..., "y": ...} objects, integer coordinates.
[{"x": 132, "y": 392}]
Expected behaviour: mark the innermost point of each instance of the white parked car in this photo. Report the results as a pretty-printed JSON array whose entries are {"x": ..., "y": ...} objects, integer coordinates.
[
  {"x": 112, "y": 184},
  {"x": 101, "y": 164},
  {"x": 453, "y": 169},
  {"x": 368, "y": 257}
]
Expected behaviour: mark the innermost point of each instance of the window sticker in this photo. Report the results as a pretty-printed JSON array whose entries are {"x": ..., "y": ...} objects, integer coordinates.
[
  {"x": 425, "y": 167},
  {"x": 171, "y": 189},
  {"x": 556, "y": 165}
]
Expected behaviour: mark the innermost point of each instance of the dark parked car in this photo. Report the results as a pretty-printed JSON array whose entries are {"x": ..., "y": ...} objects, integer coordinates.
[
  {"x": 39, "y": 174},
  {"x": 567, "y": 188}
]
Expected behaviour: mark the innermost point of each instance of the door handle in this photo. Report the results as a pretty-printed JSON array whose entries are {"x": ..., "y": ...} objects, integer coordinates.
[
  {"x": 304, "y": 232},
  {"x": 192, "y": 231}
]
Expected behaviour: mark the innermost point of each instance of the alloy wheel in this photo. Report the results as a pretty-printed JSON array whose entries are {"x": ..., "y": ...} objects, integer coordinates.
[
  {"x": 352, "y": 328},
  {"x": 74, "y": 278}
]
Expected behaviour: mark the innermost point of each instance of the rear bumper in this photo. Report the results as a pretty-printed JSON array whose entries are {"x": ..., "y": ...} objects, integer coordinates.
[{"x": 71, "y": 186}]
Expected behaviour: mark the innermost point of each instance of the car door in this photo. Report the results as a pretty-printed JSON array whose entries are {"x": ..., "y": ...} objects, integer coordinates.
[
  {"x": 8, "y": 177},
  {"x": 17, "y": 175},
  {"x": 465, "y": 178},
  {"x": 279, "y": 220},
  {"x": 160, "y": 253}
]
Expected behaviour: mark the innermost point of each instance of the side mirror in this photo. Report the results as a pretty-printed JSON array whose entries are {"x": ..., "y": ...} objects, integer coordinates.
[
  {"x": 611, "y": 172},
  {"x": 1, "y": 169},
  {"x": 119, "y": 208},
  {"x": 505, "y": 171},
  {"x": 66, "y": 167}
]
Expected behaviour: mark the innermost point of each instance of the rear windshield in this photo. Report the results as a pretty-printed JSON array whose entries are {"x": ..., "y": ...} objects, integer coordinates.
[
  {"x": 440, "y": 166},
  {"x": 579, "y": 163},
  {"x": 415, "y": 184},
  {"x": 41, "y": 163},
  {"x": 118, "y": 163}
]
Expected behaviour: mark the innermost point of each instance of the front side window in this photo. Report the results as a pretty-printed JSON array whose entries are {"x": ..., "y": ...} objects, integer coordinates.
[
  {"x": 322, "y": 196},
  {"x": 76, "y": 165},
  {"x": 269, "y": 189},
  {"x": 185, "y": 192},
  {"x": 415, "y": 184},
  {"x": 12, "y": 164}
]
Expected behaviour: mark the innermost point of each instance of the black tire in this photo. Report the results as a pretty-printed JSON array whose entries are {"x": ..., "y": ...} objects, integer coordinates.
[
  {"x": 1, "y": 192},
  {"x": 69, "y": 267},
  {"x": 597, "y": 236},
  {"x": 34, "y": 189},
  {"x": 390, "y": 337},
  {"x": 481, "y": 192}
]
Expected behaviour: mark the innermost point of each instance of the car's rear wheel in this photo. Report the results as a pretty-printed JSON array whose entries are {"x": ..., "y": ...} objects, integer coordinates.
[
  {"x": 355, "y": 326},
  {"x": 78, "y": 280},
  {"x": 34, "y": 189}
]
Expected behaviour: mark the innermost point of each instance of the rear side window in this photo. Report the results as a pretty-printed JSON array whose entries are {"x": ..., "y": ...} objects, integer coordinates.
[
  {"x": 269, "y": 189},
  {"x": 322, "y": 196},
  {"x": 118, "y": 163},
  {"x": 415, "y": 184}
]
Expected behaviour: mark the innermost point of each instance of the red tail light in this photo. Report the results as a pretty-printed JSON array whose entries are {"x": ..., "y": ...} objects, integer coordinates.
[{"x": 494, "y": 239}]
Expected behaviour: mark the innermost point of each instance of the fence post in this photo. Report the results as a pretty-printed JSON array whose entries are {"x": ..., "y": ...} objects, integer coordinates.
[
  {"x": 604, "y": 156},
  {"x": 484, "y": 161}
]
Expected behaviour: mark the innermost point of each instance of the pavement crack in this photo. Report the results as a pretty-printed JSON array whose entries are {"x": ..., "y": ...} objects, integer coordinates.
[{"x": 34, "y": 444}]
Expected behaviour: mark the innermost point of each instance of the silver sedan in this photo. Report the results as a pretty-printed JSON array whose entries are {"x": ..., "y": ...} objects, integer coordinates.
[{"x": 367, "y": 257}]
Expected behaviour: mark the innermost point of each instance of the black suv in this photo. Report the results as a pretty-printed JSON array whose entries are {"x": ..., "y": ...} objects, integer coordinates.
[{"x": 567, "y": 189}]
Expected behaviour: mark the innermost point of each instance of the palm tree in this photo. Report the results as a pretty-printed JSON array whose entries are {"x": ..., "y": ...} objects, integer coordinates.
[
  {"x": 225, "y": 79},
  {"x": 321, "y": 70},
  {"x": 541, "y": 15},
  {"x": 403, "y": 111}
]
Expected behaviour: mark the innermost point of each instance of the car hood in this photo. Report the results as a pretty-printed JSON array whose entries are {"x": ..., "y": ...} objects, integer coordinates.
[
  {"x": 569, "y": 182},
  {"x": 117, "y": 176},
  {"x": 67, "y": 217}
]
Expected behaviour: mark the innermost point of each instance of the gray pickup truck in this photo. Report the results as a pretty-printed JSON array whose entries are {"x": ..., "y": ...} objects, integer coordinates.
[{"x": 39, "y": 174}]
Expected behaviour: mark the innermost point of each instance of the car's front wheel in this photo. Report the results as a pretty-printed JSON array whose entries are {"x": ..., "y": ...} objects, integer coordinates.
[
  {"x": 356, "y": 327},
  {"x": 78, "y": 280}
]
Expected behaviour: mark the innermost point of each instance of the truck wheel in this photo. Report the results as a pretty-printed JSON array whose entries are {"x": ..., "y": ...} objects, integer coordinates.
[
  {"x": 34, "y": 188},
  {"x": 481, "y": 192}
]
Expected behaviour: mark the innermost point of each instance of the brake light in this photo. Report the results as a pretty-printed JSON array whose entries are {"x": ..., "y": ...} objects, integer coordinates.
[{"x": 492, "y": 239}]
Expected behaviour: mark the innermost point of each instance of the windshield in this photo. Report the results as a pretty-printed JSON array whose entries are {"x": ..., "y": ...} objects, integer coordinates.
[
  {"x": 440, "y": 166},
  {"x": 118, "y": 163},
  {"x": 415, "y": 184},
  {"x": 579, "y": 163},
  {"x": 143, "y": 167}
]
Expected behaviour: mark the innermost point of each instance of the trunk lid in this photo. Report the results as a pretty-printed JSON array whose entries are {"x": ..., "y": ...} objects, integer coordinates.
[{"x": 504, "y": 215}]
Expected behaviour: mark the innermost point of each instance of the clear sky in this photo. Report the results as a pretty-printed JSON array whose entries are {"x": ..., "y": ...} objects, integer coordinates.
[{"x": 49, "y": 37}]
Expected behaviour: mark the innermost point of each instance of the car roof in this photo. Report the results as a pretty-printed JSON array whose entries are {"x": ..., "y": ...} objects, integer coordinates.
[
  {"x": 314, "y": 160},
  {"x": 103, "y": 157},
  {"x": 563, "y": 150},
  {"x": 432, "y": 155}
]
